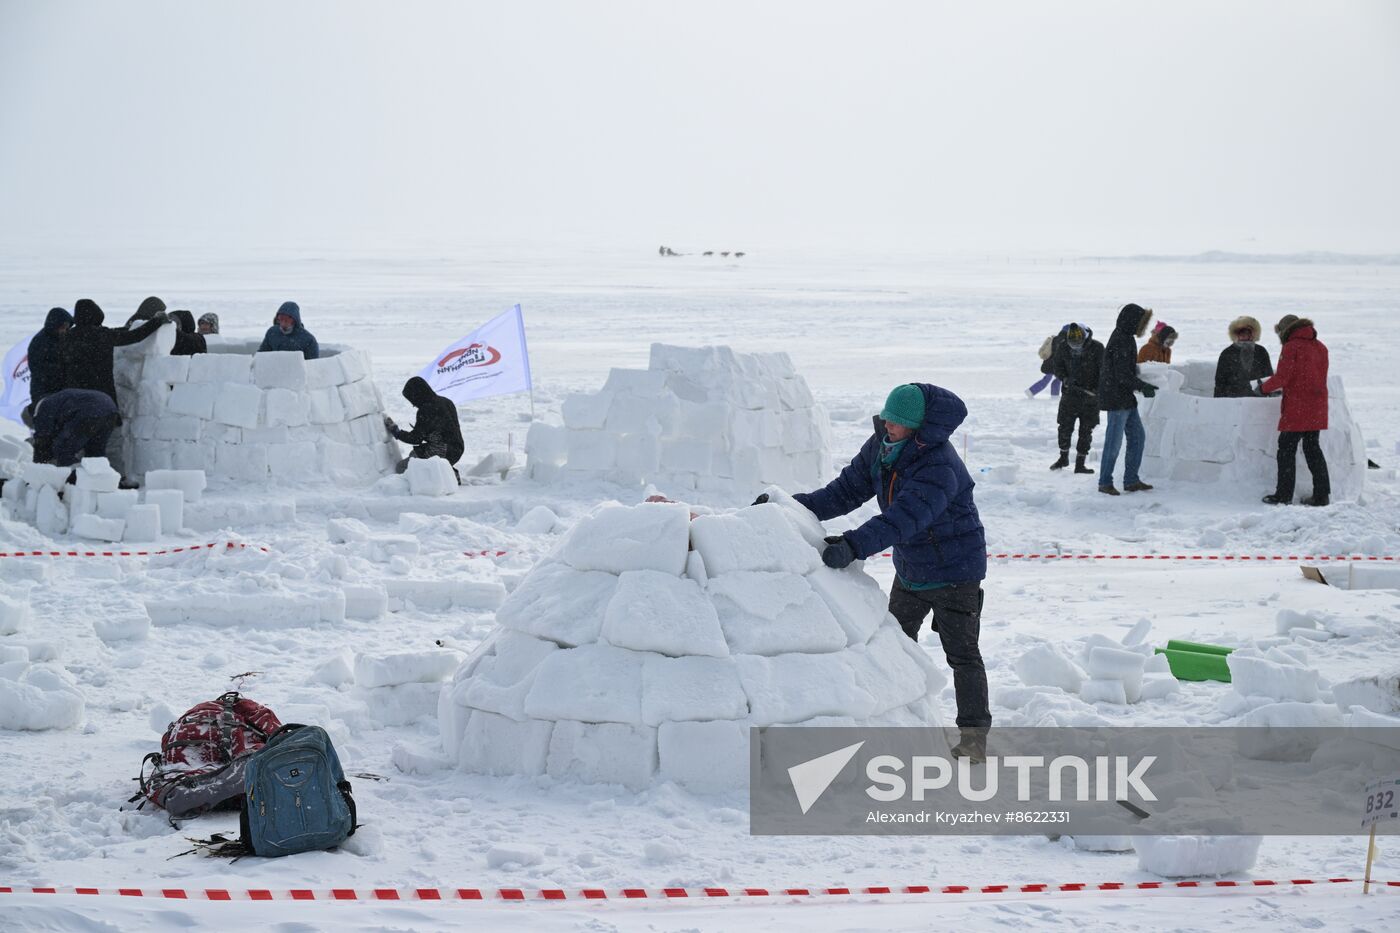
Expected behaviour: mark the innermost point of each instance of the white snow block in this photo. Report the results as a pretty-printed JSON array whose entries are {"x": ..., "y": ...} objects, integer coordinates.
[
  {"x": 586, "y": 412},
  {"x": 796, "y": 687},
  {"x": 496, "y": 463},
  {"x": 50, "y": 514},
  {"x": 142, "y": 523},
  {"x": 495, "y": 744},
  {"x": 1045, "y": 666},
  {"x": 442, "y": 595},
  {"x": 759, "y": 538},
  {"x": 704, "y": 756},
  {"x": 14, "y": 610},
  {"x": 98, "y": 529},
  {"x": 238, "y": 405},
  {"x": 559, "y": 603},
  {"x": 654, "y": 611},
  {"x": 591, "y": 450},
  {"x": 1255, "y": 676},
  {"x": 546, "y": 445},
  {"x": 399, "y": 704},
  {"x": 182, "y": 428},
  {"x": 691, "y": 688},
  {"x": 1197, "y": 856},
  {"x": 801, "y": 517},
  {"x": 1379, "y": 693},
  {"x": 886, "y": 670},
  {"x": 122, "y": 628},
  {"x": 281, "y": 369},
  {"x": 290, "y": 461},
  {"x": 615, "y": 538},
  {"x": 40, "y": 698},
  {"x": 359, "y": 398},
  {"x": 365, "y": 602},
  {"x": 195, "y": 400},
  {"x": 1155, "y": 686},
  {"x": 324, "y": 406},
  {"x": 503, "y": 678},
  {"x": 285, "y": 407},
  {"x": 215, "y": 368},
  {"x": 242, "y": 461},
  {"x": 591, "y": 683},
  {"x": 324, "y": 372},
  {"x": 773, "y": 613},
  {"x": 171, "y": 503},
  {"x": 45, "y": 474},
  {"x": 167, "y": 369},
  {"x": 117, "y": 503},
  {"x": 1103, "y": 691},
  {"x": 430, "y": 477},
  {"x": 603, "y": 753},
  {"x": 248, "y": 610},
  {"x": 1116, "y": 664},
  {"x": 354, "y": 364},
  {"x": 854, "y": 598},
  {"x": 538, "y": 521},
  {"x": 405, "y": 667}
]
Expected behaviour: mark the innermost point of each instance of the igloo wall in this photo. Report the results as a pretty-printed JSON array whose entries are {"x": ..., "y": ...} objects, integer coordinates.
[
  {"x": 698, "y": 418},
  {"x": 648, "y": 643},
  {"x": 244, "y": 415},
  {"x": 1196, "y": 438}
]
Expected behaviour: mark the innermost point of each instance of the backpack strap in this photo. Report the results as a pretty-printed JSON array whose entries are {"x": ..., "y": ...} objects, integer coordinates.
[{"x": 227, "y": 720}]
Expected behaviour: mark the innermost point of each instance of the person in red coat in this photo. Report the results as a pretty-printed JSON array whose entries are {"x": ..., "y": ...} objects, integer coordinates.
[{"x": 1302, "y": 377}]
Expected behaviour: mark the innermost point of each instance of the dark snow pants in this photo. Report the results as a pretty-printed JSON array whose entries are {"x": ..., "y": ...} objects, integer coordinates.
[
  {"x": 957, "y": 620},
  {"x": 1288, "y": 463}
]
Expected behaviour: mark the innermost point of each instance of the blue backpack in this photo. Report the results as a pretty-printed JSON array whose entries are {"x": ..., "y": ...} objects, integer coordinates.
[{"x": 296, "y": 795}]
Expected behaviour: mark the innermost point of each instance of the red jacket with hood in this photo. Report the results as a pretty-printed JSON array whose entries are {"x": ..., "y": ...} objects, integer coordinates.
[{"x": 1302, "y": 375}]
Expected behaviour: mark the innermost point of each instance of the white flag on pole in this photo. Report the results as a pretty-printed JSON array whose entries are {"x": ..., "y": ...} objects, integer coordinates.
[
  {"x": 491, "y": 360},
  {"x": 15, "y": 394}
]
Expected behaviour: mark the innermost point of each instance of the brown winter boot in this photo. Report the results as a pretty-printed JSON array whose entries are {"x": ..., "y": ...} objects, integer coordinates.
[
  {"x": 1137, "y": 487},
  {"x": 1079, "y": 466},
  {"x": 1061, "y": 463},
  {"x": 972, "y": 746},
  {"x": 1108, "y": 490}
]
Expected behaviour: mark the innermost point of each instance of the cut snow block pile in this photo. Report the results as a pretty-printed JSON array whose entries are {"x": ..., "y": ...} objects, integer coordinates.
[
  {"x": 92, "y": 506},
  {"x": 648, "y": 643},
  {"x": 1194, "y": 437},
  {"x": 1104, "y": 671},
  {"x": 239, "y": 414},
  {"x": 401, "y": 688},
  {"x": 32, "y": 696},
  {"x": 698, "y": 418}
]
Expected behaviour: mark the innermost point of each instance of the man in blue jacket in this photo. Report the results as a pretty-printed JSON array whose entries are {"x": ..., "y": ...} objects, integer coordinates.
[
  {"x": 928, "y": 516},
  {"x": 287, "y": 333},
  {"x": 72, "y": 424}
]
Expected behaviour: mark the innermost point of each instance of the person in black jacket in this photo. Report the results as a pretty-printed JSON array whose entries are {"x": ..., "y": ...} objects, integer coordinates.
[
  {"x": 436, "y": 431},
  {"x": 72, "y": 424},
  {"x": 146, "y": 310},
  {"x": 1243, "y": 362},
  {"x": 89, "y": 346},
  {"x": 1076, "y": 363},
  {"x": 187, "y": 341},
  {"x": 47, "y": 373},
  {"x": 1118, "y": 383}
]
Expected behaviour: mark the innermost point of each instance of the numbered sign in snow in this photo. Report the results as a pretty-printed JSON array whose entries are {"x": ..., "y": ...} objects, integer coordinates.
[{"x": 1382, "y": 802}]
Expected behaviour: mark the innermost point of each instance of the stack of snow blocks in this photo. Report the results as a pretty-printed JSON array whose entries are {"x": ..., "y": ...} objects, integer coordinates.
[
  {"x": 1193, "y": 437},
  {"x": 645, "y": 647},
  {"x": 698, "y": 418},
  {"x": 258, "y": 417}
]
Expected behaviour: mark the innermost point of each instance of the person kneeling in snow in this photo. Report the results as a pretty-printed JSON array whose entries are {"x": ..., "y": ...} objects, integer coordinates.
[
  {"x": 1302, "y": 377},
  {"x": 73, "y": 424},
  {"x": 1077, "y": 360},
  {"x": 436, "y": 431},
  {"x": 927, "y": 514},
  {"x": 288, "y": 333}
]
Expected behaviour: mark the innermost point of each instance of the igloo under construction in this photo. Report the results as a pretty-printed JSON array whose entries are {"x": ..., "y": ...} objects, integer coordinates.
[
  {"x": 239, "y": 414},
  {"x": 698, "y": 418},
  {"x": 645, "y": 646}
]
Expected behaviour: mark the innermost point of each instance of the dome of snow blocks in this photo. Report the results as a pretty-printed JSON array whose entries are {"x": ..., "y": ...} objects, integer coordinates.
[
  {"x": 624, "y": 658},
  {"x": 1196, "y": 438},
  {"x": 697, "y": 416},
  {"x": 228, "y": 412}
]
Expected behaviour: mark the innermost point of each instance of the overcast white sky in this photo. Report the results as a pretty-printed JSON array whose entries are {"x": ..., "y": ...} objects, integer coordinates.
[{"x": 1097, "y": 126}]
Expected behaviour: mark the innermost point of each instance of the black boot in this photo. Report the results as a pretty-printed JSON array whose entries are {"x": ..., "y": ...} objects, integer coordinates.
[
  {"x": 1061, "y": 463},
  {"x": 1079, "y": 466},
  {"x": 1316, "y": 499},
  {"x": 1276, "y": 499},
  {"x": 972, "y": 745}
]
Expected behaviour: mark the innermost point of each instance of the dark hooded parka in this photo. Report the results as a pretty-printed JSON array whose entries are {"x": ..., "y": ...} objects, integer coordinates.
[
  {"x": 436, "y": 431},
  {"x": 298, "y": 338},
  {"x": 88, "y": 347},
  {"x": 71, "y": 424},
  {"x": 187, "y": 341},
  {"x": 1118, "y": 377},
  {"x": 48, "y": 371},
  {"x": 1243, "y": 361}
]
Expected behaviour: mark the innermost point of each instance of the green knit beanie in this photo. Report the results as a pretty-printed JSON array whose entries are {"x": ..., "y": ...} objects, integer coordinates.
[{"x": 905, "y": 406}]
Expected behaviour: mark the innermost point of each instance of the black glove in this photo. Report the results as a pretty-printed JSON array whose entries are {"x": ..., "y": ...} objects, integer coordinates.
[
  {"x": 761, "y": 499},
  {"x": 389, "y": 424},
  {"x": 838, "y": 553},
  {"x": 1148, "y": 390}
]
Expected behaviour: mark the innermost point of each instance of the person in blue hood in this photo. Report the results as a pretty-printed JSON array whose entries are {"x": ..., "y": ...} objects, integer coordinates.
[
  {"x": 47, "y": 370},
  {"x": 288, "y": 333},
  {"x": 927, "y": 515}
]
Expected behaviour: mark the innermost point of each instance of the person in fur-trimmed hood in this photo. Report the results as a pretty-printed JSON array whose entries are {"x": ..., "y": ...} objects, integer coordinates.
[
  {"x": 1302, "y": 377},
  {"x": 1158, "y": 348},
  {"x": 1243, "y": 362},
  {"x": 1118, "y": 384}
]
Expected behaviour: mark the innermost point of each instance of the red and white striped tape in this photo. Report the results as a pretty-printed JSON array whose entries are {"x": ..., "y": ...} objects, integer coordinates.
[
  {"x": 537, "y": 895},
  {"x": 1193, "y": 558},
  {"x": 227, "y": 545}
]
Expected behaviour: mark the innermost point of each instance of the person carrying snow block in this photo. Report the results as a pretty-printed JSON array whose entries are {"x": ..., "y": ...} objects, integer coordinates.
[
  {"x": 436, "y": 431},
  {"x": 1076, "y": 363},
  {"x": 47, "y": 372},
  {"x": 1243, "y": 362},
  {"x": 1302, "y": 377},
  {"x": 1158, "y": 348},
  {"x": 187, "y": 341},
  {"x": 288, "y": 333},
  {"x": 73, "y": 424},
  {"x": 1047, "y": 350},
  {"x": 88, "y": 349},
  {"x": 1118, "y": 383},
  {"x": 928, "y": 516}
]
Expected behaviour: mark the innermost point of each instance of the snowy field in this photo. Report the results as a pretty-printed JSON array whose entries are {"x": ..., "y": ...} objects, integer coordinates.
[{"x": 854, "y": 326}]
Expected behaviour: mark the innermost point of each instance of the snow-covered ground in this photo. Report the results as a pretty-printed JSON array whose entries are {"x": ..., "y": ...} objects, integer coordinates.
[{"x": 854, "y": 326}]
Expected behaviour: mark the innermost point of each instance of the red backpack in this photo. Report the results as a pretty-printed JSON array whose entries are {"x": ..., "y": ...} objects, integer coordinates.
[{"x": 200, "y": 763}]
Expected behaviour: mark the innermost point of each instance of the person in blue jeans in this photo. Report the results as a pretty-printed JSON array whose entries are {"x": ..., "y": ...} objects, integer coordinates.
[{"x": 1118, "y": 384}]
